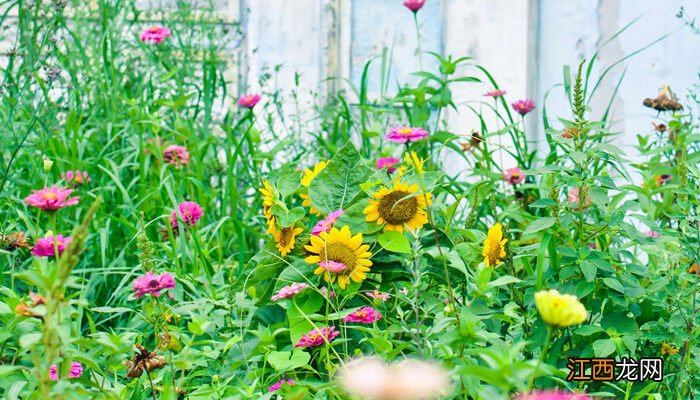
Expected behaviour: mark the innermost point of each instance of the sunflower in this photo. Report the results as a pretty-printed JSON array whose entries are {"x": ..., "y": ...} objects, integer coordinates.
[
  {"x": 306, "y": 179},
  {"x": 285, "y": 238},
  {"x": 269, "y": 196},
  {"x": 399, "y": 206},
  {"x": 339, "y": 255},
  {"x": 494, "y": 251}
]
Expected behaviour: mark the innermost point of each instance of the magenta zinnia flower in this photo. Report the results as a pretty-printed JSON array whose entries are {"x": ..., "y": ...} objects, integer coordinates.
[
  {"x": 317, "y": 337},
  {"x": 76, "y": 369},
  {"x": 377, "y": 295},
  {"x": 414, "y": 5},
  {"x": 403, "y": 134},
  {"x": 332, "y": 266},
  {"x": 249, "y": 100},
  {"x": 523, "y": 106},
  {"x": 176, "y": 155},
  {"x": 44, "y": 247},
  {"x": 325, "y": 225},
  {"x": 325, "y": 293},
  {"x": 365, "y": 315},
  {"x": 388, "y": 162},
  {"x": 153, "y": 284},
  {"x": 513, "y": 175},
  {"x": 289, "y": 291},
  {"x": 495, "y": 93},
  {"x": 155, "y": 34},
  {"x": 76, "y": 177},
  {"x": 652, "y": 234},
  {"x": 552, "y": 395},
  {"x": 279, "y": 384},
  {"x": 52, "y": 199},
  {"x": 190, "y": 213}
]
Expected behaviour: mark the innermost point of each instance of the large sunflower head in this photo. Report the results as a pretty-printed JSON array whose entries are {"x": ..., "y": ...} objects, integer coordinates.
[
  {"x": 285, "y": 238},
  {"x": 398, "y": 207},
  {"x": 494, "y": 250},
  {"x": 339, "y": 255},
  {"x": 306, "y": 178}
]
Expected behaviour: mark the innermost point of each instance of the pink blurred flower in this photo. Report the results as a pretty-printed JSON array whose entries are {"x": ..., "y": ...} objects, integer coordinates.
[
  {"x": 289, "y": 291},
  {"x": 249, "y": 100},
  {"x": 378, "y": 295},
  {"x": 573, "y": 198},
  {"x": 652, "y": 234},
  {"x": 365, "y": 315},
  {"x": 76, "y": 369},
  {"x": 76, "y": 177},
  {"x": 552, "y": 395},
  {"x": 155, "y": 34},
  {"x": 403, "y": 291},
  {"x": 513, "y": 175},
  {"x": 44, "y": 247},
  {"x": 332, "y": 266},
  {"x": 387, "y": 162},
  {"x": 153, "y": 284},
  {"x": 326, "y": 224},
  {"x": 317, "y": 337},
  {"x": 403, "y": 134},
  {"x": 414, "y": 5},
  {"x": 279, "y": 384},
  {"x": 495, "y": 93},
  {"x": 189, "y": 211},
  {"x": 523, "y": 106},
  {"x": 52, "y": 199},
  {"x": 324, "y": 292},
  {"x": 176, "y": 155}
]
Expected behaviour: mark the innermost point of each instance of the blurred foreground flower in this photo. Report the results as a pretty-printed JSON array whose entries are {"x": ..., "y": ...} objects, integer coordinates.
[
  {"x": 76, "y": 369},
  {"x": 559, "y": 310},
  {"x": 371, "y": 379},
  {"x": 552, "y": 395}
]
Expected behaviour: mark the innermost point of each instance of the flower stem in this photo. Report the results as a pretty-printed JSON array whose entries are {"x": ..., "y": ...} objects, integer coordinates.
[
  {"x": 545, "y": 349},
  {"x": 420, "y": 52}
]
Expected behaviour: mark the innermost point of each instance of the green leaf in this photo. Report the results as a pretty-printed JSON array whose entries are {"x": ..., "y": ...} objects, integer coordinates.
[
  {"x": 614, "y": 284},
  {"x": 504, "y": 280},
  {"x": 289, "y": 183},
  {"x": 287, "y": 360},
  {"x": 539, "y": 224},
  {"x": 603, "y": 347},
  {"x": 288, "y": 218},
  {"x": 588, "y": 330},
  {"x": 589, "y": 270},
  {"x": 395, "y": 242},
  {"x": 335, "y": 187},
  {"x": 598, "y": 196},
  {"x": 30, "y": 339},
  {"x": 542, "y": 203}
]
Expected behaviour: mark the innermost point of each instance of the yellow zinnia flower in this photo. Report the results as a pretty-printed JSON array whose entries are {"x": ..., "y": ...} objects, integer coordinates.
[
  {"x": 340, "y": 255},
  {"x": 559, "y": 310},
  {"x": 285, "y": 238},
  {"x": 269, "y": 197},
  {"x": 668, "y": 349},
  {"x": 306, "y": 179},
  {"x": 398, "y": 207},
  {"x": 494, "y": 250}
]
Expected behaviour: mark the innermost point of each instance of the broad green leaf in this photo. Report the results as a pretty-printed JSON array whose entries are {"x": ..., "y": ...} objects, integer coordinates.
[
  {"x": 288, "y": 360},
  {"x": 614, "y": 284},
  {"x": 603, "y": 347},
  {"x": 589, "y": 270},
  {"x": 395, "y": 242},
  {"x": 540, "y": 224}
]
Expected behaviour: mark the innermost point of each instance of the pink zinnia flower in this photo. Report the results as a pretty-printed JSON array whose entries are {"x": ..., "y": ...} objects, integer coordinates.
[
  {"x": 52, "y": 199},
  {"x": 249, "y": 100},
  {"x": 189, "y": 211},
  {"x": 44, "y": 247},
  {"x": 378, "y": 295},
  {"x": 76, "y": 177},
  {"x": 495, "y": 93},
  {"x": 652, "y": 234},
  {"x": 153, "y": 284},
  {"x": 324, "y": 292},
  {"x": 553, "y": 395},
  {"x": 414, "y": 5},
  {"x": 155, "y": 34},
  {"x": 365, "y": 315},
  {"x": 325, "y": 225},
  {"x": 403, "y": 134},
  {"x": 388, "y": 162},
  {"x": 573, "y": 197},
  {"x": 279, "y": 384},
  {"x": 513, "y": 175},
  {"x": 176, "y": 155},
  {"x": 317, "y": 337},
  {"x": 289, "y": 291},
  {"x": 76, "y": 369},
  {"x": 332, "y": 266},
  {"x": 523, "y": 106}
]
